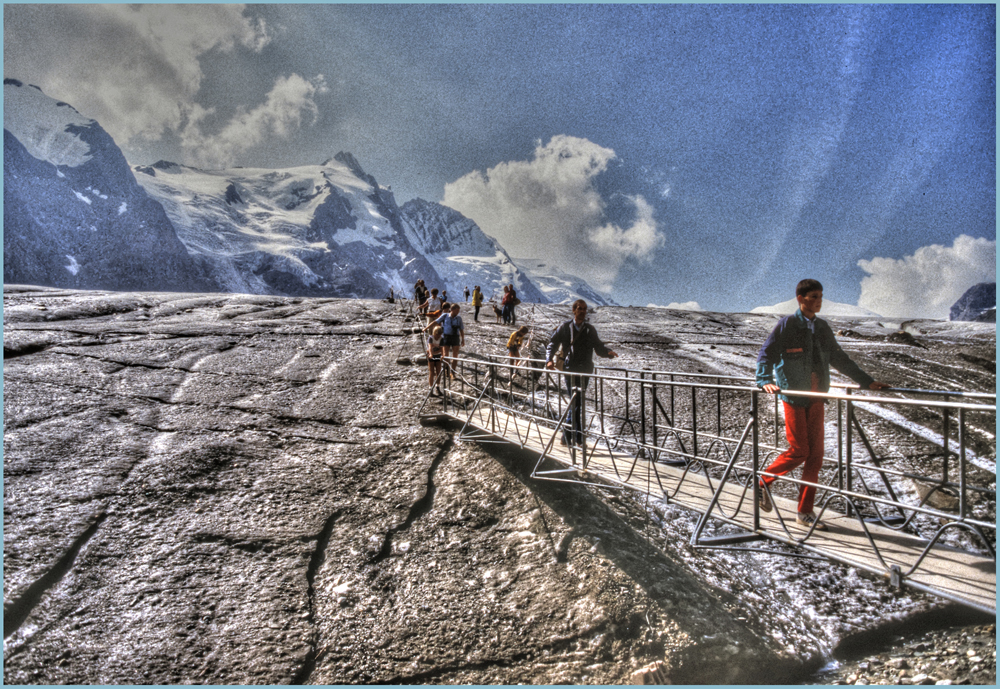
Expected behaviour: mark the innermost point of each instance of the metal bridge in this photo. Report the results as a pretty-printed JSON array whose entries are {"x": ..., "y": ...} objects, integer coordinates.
[{"x": 903, "y": 496}]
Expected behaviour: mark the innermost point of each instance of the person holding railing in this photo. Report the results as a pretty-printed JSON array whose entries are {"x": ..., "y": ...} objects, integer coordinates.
[
  {"x": 578, "y": 340},
  {"x": 797, "y": 355},
  {"x": 514, "y": 344}
]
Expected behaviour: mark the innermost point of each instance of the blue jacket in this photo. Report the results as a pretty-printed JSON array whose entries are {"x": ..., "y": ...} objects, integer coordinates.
[
  {"x": 451, "y": 325},
  {"x": 786, "y": 359}
]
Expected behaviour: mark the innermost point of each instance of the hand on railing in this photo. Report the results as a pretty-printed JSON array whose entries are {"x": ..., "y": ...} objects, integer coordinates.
[{"x": 773, "y": 389}]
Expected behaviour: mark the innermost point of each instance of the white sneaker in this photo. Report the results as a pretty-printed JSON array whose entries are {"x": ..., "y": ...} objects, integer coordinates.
[{"x": 808, "y": 519}]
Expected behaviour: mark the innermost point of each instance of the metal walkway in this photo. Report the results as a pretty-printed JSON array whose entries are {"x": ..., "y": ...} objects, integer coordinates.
[{"x": 698, "y": 441}]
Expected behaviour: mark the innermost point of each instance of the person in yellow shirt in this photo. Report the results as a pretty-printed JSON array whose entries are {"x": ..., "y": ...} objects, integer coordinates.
[
  {"x": 514, "y": 343},
  {"x": 477, "y": 301}
]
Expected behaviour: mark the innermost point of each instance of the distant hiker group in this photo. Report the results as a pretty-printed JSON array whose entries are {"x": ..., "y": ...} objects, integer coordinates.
[{"x": 447, "y": 331}]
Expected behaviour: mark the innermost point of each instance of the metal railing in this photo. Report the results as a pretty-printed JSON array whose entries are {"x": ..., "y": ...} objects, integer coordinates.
[{"x": 722, "y": 431}]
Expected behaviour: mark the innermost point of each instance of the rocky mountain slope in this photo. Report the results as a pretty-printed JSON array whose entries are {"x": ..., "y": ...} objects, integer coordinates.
[
  {"x": 73, "y": 213},
  {"x": 462, "y": 253},
  {"x": 319, "y": 230},
  {"x": 235, "y": 489},
  {"x": 979, "y": 303},
  {"x": 560, "y": 287},
  {"x": 77, "y": 216}
]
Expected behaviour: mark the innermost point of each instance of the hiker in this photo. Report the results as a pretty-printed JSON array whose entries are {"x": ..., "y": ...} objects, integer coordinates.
[
  {"x": 797, "y": 355},
  {"x": 578, "y": 341},
  {"x": 477, "y": 301},
  {"x": 466, "y": 293},
  {"x": 514, "y": 301},
  {"x": 432, "y": 307},
  {"x": 435, "y": 350},
  {"x": 444, "y": 295},
  {"x": 505, "y": 305},
  {"x": 420, "y": 295},
  {"x": 454, "y": 333},
  {"x": 514, "y": 344}
]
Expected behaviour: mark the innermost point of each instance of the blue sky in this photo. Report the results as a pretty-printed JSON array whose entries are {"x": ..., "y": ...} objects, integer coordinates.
[{"x": 667, "y": 153}]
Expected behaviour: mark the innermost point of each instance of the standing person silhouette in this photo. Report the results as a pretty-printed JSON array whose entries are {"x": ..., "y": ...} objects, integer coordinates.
[
  {"x": 797, "y": 355},
  {"x": 477, "y": 302},
  {"x": 579, "y": 341}
]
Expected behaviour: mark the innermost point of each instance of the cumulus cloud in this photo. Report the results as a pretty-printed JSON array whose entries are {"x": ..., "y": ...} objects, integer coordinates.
[
  {"x": 136, "y": 69},
  {"x": 927, "y": 283},
  {"x": 685, "y": 306},
  {"x": 548, "y": 207},
  {"x": 281, "y": 114}
]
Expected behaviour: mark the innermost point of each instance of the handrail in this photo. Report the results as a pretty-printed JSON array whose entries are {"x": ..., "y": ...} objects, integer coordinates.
[
  {"x": 845, "y": 386},
  {"x": 794, "y": 393},
  {"x": 658, "y": 418}
]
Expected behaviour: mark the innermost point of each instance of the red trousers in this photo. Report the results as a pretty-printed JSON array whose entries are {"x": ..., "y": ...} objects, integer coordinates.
[{"x": 804, "y": 428}]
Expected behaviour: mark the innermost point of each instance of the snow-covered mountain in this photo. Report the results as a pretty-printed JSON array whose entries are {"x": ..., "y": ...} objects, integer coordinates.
[
  {"x": 979, "y": 303},
  {"x": 73, "y": 214},
  {"x": 830, "y": 308},
  {"x": 76, "y": 215},
  {"x": 316, "y": 230},
  {"x": 560, "y": 287},
  {"x": 462, "y": 254}
]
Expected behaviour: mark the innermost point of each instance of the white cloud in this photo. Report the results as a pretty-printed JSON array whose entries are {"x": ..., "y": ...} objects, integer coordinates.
[
  {"x": 927, "y": 283},
  {"x": 549, "y": 207},
  {"x": 137, "y": 69},
  {"x": 133, "y": 68},
  {"x": 686, "y": 306},
  {"x": 279, "y": 116}
]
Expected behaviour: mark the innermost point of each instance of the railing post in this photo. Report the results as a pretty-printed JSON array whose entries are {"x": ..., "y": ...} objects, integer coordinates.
[
  {"x": 642, "y": 412},
  {"x": 654, "y": 456},
  {"x": 673, "y": 412},
  {"x": 583, "y": 421},
  {"x": 849, "y": 451},
  {"x": 718, "y": 407},
  {"x": 840, "y": 445},
  {"x": 600, "y": 383},
  {"x": 627, "y": 418},
  {"x": 694, "y": 420},
  {"x": 961, "y": 464},
  {"x": 491, "y": 384},
  {"x": 775, "y": 421},
  {"x": 944, "y": 432},
  {"x": 756, "y": 458}
]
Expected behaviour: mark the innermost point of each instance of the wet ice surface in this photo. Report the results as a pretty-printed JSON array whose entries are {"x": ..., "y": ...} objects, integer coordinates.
[{"x": 235, "y": 489}]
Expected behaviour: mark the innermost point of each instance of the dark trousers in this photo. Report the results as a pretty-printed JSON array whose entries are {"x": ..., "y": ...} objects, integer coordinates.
[
  {"x": 476, "y": 317},
  {"x": 576, "y": 412}
]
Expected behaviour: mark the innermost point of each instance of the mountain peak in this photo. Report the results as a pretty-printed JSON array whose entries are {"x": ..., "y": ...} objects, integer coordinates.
[
  {"x": 47, "y": 129},
  {"x": 977, "y": 304},
  {"x": 354, "y": 166}
]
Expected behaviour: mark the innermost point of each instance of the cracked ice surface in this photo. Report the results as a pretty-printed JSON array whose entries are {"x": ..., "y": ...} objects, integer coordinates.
[{"x": 234, "y": 489}]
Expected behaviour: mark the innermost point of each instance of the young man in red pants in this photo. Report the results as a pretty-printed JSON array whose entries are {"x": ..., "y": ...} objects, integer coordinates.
[{"x": 797, "y": 355}]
